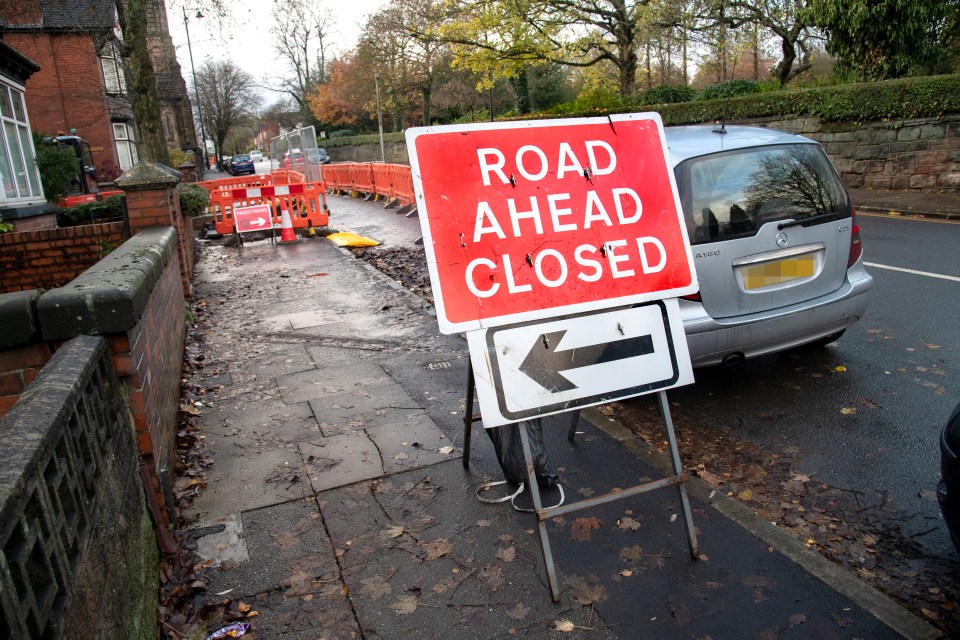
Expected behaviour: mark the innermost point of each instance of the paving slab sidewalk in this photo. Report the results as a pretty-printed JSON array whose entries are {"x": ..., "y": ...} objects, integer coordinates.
[{"x": 341, "y": 508}]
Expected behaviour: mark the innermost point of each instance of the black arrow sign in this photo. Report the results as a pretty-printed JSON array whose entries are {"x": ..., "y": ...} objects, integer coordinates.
[{"x": 544, "y": 362}]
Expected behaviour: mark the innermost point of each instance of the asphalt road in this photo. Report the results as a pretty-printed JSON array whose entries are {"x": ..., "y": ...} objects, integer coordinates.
[{"x": 874, "y": 426}]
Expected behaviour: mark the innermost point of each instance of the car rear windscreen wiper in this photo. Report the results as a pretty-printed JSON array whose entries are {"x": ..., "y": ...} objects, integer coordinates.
[{"x": 823, "y": 217}]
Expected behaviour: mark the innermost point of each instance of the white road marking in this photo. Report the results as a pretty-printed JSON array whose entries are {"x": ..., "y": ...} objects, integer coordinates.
[{"x": 913, "y": 271}]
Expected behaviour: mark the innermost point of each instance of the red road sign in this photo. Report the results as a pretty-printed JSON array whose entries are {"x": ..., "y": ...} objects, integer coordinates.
[
  {"x": 525, "y": 220},
  {"x": 253, "y": 218}
]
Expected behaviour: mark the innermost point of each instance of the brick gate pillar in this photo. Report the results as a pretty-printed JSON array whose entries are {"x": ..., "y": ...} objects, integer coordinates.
[{"x": 152, "y": 201}]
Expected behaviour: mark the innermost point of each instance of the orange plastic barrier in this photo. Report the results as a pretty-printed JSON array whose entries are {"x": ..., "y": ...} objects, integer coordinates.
[
  {"x": 361, "y": 177},
  {"x": 337, "y": 177},
  {"x": 392, "y": 181},
  {"x": 401, "y": 182},
  {"x": 383, "y": 180},
  {"x": 283, "y": 190}
]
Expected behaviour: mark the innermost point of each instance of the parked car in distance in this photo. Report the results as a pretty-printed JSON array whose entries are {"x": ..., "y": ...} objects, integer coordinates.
[
  {"x": 292, "y": 159},
  {"x": 256, "y": 155},
  {"x": 241, "y": 164},
  {"x": 225, "y": 163},
  {"x": 318, "y": 156},
  {"x": 948, "y": 491},
  {"x": 775, "y": 242}
]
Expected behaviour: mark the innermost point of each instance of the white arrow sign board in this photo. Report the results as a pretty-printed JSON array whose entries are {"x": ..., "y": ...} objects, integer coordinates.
[{"x": 540, "y": 368}]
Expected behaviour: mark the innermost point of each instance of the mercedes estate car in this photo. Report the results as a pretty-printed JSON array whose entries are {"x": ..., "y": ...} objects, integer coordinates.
[{"x": 774, "y": 238}]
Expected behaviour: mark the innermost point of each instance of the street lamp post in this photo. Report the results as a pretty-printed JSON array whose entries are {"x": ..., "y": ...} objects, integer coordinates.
[
  {"x": 196, "y": 92},
  {"x": 376, "y": 82}
]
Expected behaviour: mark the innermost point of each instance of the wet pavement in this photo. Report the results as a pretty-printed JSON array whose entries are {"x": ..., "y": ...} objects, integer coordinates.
[{"x": 341, "y": 508}]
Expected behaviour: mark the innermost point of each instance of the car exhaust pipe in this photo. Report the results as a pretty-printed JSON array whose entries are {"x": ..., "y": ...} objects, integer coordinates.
[{"x": 733, "y": 359}]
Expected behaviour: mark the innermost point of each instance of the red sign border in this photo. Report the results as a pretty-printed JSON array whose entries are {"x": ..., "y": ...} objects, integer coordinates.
[{"x": 449, "y": 327}]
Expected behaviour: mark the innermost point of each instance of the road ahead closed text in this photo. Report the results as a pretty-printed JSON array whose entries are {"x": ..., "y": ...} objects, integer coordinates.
[{"x": 531, "y": 217}]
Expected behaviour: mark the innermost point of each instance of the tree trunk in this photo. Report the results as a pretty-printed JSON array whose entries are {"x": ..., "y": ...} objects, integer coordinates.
[
  {"x": 625, "y": 33},
  {"x": 144, "y": 98},
  {"x": 521, "y": 88},
  {"x": 786, "y": 64},
  {"x": 426, "y": 93}
]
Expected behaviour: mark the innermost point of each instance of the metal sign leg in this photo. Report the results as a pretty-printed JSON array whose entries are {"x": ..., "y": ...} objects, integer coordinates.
[
  {"x": 468, "y": 415},
  {"x": 678, "y": 470},
  {"x": 538, "y": 508}
]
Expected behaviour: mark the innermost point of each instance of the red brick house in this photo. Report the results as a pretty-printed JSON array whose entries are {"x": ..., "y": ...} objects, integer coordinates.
[{"x": 81, "y": 85}]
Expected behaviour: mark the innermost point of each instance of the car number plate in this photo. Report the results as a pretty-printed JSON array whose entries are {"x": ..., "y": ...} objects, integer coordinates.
[{"x": 777, "y": 272}]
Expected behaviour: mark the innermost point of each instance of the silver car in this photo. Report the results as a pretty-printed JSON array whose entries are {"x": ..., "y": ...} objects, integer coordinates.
[{"x": 774, "y": 238}]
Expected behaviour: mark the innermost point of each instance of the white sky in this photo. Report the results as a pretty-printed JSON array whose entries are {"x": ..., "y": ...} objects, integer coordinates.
[{"x": 244, "y": 36}]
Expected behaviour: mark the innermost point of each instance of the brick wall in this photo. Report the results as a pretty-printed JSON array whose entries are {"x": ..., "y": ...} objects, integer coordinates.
[
  {"x": 152, "y": 200},
  {"x": 50, "y": 258},
  {"x": 18, "y": 368},
  {"x": 149, "y": 358},
  {"x": 133, "y": 298},
  {"x": 68, "y": 91}
]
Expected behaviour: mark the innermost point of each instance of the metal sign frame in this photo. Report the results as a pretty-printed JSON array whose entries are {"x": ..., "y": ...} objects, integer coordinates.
[{"x": 544, "y": 514}]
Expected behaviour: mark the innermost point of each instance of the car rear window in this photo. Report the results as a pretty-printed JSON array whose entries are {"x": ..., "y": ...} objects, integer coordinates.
[
  {"x": 734, "y": 193},
  {"x": 241, "y": 158}
]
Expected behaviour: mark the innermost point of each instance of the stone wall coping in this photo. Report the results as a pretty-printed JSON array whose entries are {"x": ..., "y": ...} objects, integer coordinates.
[
  {"x": 18, "y": 317},
  {"x": 148, "y": 175},
  {"x": 110, "y": 296}
]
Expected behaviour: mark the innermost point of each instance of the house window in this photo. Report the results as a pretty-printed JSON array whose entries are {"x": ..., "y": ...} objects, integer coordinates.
[
  {"x": 126, "y": 146},
  {"x": 18, "y": 168},
  {"x": 112, "y": 64}
]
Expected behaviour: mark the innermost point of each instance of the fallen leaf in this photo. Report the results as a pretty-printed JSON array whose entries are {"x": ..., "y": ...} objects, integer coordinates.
[
  {"x": 587, "y": 591},
  {"x": 626, "y": 573},
  {"x": 797, "y": 619},
  {"x": 394, "y": 531},
  {"x": 507, "y": 555},
  {"x": 189, "y": 409},
  {"x": 519, "y": 611},
  {"x": 581, "y": 527},
  {"x": 437, "y": 549},
  {"x": 405, "y": 605},
  {"x": 564, "y": 626},
  {"x": 376, "y": 587},
  {"x": 746, "y": 494},
  {"x": 445, "y": 450},
  {"x": 631, "y": 554},
  {"x": 840, "y": 368},
  {"x": 628, "y": 523}
]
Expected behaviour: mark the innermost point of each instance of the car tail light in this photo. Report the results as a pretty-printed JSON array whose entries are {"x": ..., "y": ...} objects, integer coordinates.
[
  {"x": 693, "y": 297},
  {"x": 856, "y": 245}
]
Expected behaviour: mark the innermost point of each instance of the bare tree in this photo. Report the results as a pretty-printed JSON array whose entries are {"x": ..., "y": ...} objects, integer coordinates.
[
  {"x": 228, "y": 99},
  {"x": 301, "y": 30}
]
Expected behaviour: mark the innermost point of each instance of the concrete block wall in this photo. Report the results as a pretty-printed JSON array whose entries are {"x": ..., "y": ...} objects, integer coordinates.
[
  {"x": 48, "y": 258},
  {"x": 80, "y": 554}
]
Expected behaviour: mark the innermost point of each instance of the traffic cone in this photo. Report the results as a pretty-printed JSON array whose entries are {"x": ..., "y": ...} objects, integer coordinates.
[{"x": 286, "y": 228}]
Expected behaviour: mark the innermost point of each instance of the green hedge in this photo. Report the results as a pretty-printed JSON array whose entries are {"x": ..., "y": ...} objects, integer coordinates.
[
  {"x": 904, "y": 98},
  {"x": 108, "y": 210},
  {"x": 350, "y": 141},
  {"x": 928, "y": 96}
]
